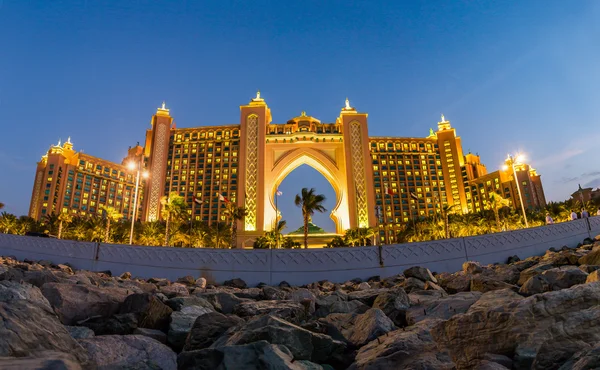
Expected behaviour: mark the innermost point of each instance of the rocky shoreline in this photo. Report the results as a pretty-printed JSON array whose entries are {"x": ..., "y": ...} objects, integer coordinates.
[{"x": 542, "y": 312}]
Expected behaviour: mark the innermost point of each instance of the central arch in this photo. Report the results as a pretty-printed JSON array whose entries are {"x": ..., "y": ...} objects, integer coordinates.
[{"x": 329, "y": 162}]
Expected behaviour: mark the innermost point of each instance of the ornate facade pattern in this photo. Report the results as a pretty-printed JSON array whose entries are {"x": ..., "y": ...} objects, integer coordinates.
[
  {"x": 36, "y": 194},
  {"x": 158, "y": 168},
  {"x": 358, "y": 172},
  {"x": 251, "y": 172}
]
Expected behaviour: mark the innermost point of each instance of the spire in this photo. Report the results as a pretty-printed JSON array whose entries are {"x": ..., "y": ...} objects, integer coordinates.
[
  {"x": 163, "y": 110},
  {"x": 69, "y": 140},
  {"x": 303, "y": 114},
  {"x": 443, "y": 118},
  {"x": 347, "y": 107},
  {"x": 257, "y": 99},
  {"x": 163, "y": 105},
  {"x": 444, "y": 124},
  {"x": 347, "y": 103},
  {"x": 59, "y": 142}
]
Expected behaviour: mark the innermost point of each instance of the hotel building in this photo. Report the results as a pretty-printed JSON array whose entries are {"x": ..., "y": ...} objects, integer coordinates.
[{"x": 381, "y": 182}]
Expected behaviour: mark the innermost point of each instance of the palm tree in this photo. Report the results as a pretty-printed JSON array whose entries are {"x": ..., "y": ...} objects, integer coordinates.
[
  {"x": 78, "y": 229},
  {"x": 111, "y": 215},
  {"x": 365, "y": 233},
  {"x": 309, "y": 202},
  {"x": 95, "y": 229},
  {"x": 495, "y": 202},
  {"x": 446, "y": 210},
  {"x": 173, "y": 208},
  {"x": 151, "y": 233},
  {"x": 234, "y": 214},
  {"x": 63, "y": 218},
  {"x": 51, "y": 222},
  {"x": 8, "y": 222},
  {"x": 218, "y": 235}
]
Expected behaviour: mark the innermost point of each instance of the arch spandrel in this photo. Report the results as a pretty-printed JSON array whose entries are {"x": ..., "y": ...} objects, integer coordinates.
[{"x": 331, "y": 164}]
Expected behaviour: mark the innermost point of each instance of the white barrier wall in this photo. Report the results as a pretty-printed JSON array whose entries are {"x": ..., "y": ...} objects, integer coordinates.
[{"x": 299, "y": 266}]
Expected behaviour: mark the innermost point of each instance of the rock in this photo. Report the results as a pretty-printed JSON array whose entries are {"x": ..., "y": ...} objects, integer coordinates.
[
  {"x": 513, "y": 259},
  {"x": 420, "y": 273},
  {"x": 588, "y": 358},
  {"x": 47, "y": 360},
  {"x": 455, "y": 283},
  {"x": 554, "y": 279},
  {"x": 532, "y": 271},
  {"x": 342, "y": 307},
  {"x": 152, "y": 333},
  {"x": 73, "y": 302},
  {"x": 527, "y": 263},
  {"x": 589, "y": 268},
  {"x": 126, "y": 275},
  {"x": 432, "y": 286},
  {"x": 271, "y": 293},
  {"x": 327, "y": 286},
  {"x": 151, "y": 313},
  {"x": 592, "y": 258},
  {"x": 394, "y": 304},
  {"x": 39, "y": 278},
  {"x": 562, "y": 258},
  {"x": 412, "y": 284},
  {"x": 520, "y": 327},
  {"x": 129, "y": 352},
  {"x": 254, "y": 356},
  {"x": 366, "y": 296},
  {"x": 287, "y": 310},
  {"x": 223, "y": 302},
  {"x": 358, "y": 330},
  {"x": 208, "y": 328},
  {"x": 284, "y": 284},
  {"x": 250, "y": 293},
  {"x": 507, "y": 273},
  {"x": 535, "y": 285},
  {"x": 174, "y": 290},
  {"x": 303, "y": 295},
  {"x": 236, "y": 283},
  {"x": 177, "y": 303},
  {"x": 303, "y": 344},
  {"x": 80, "y": 332},
  {"x": 187, "y": 280},
  {"x": 410, "y": 348},
  {"x": 181, "y": 324},
  {"x": 484, "y": 284},
  {"x": 363, "y": 286},
  {"x": 442, "y": 308},
  {"x": 201, "y": 283},
  {"x": 472, "y": 267},
  {"x": 29, "y": 326},
  {"x": 592, "y": 277},
  {"x": 119, "y": 324}
]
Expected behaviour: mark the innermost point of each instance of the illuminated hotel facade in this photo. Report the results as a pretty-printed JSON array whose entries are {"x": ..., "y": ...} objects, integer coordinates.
[{"x": 380, "y": 182}]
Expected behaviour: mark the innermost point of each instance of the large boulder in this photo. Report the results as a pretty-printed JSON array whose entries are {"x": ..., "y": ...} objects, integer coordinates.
[
  {"x": 507, "y": 273},
  {"x": 174, "y": 290},
  {"x": 522, "y": 328},
  {"x": 253, "y": 356},
  {"x": 287, "y": 310},
  {"x": 73, "y": 302},
  {"x": 80, "y": 332},
  {"x": 47, "y": 360},
  {"x": 394, "y": 304},
  {"x": 250, "y": 293},
  {"x": 208, "y": 328},
  {"x": 420, "y": 273},
  {"x": 178, "y": 303},
  {"x": 592, "y": 258},
  {"x": 366, "y": 296},
  {"x": 303, "y": 344},
  {"x": 483, "y": 284},
  {"x": 554, "y": 279},
  {"x": 29, "y": 326},
  {"x": 455, "y": 283},
  {"x": 119, "y": 324},
  {"x": 272, "y": 293},
  {"x": 181, "y": 324},
  {"x": 588, "y": 358},
  {"x": 534, "y": 270},
  {"x": 111, "y": 352},
  {"x": 223, "y": 302},
  {"x": 341, "y": 307},
  {"x": 409, "y": 348},
  {"x": 152, "y": 333},
  {"x": 151, "y": 312},
  {"x": 439, "y": 307},
  {"x": 304, "y": 296},
  {"x": 236, "y": 283},
  {"x": 358, "y": 330}
]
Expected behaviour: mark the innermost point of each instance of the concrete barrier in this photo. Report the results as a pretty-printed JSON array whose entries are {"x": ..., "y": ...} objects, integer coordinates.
[{"x": 299, "y": 266}]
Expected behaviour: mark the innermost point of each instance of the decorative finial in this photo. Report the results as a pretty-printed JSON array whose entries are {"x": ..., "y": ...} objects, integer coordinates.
[
  {"x": 59, "y": 142},
  {"x": 257, "y": 94},
  {"x": 431, "y": 132},
  {"x": 163, "y": 105},
  {"x": 348, "y": 104},
  {"x": 69, "y": 140},
  {"x": 303, "y": 114},
  {"x": 443, "y": 119}
]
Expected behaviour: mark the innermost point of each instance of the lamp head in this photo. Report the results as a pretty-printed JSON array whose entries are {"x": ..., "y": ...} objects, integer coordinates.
[
  {"x": 145, "y": 174},
  {"x": 131, "y": 166}
]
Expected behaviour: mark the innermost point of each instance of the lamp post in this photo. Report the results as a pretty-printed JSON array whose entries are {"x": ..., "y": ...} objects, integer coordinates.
[
  {"x": 135, "y": 166},
  {"x": 512, "y": 160}
]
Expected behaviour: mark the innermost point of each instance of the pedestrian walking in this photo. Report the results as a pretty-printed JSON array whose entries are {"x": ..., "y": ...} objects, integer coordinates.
[
  {"x": 598, "y": 213},
  {"x": 549, "y": 220},
  {"x": 573, "y": 215},
  {"x": 584, "y": 213}
]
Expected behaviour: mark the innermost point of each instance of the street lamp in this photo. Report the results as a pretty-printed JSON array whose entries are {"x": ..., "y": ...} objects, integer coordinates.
[
  {"x": 138, "y": 167},
  {"x": 512, "y": 160}
]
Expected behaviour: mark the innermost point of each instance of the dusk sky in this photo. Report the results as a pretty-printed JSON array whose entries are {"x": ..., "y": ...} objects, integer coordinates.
[{"x": 510, "y": 76}]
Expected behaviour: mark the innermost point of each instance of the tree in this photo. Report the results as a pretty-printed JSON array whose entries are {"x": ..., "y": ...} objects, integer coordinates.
[
  {"x": 310, "y": 203},
  {"x": 63, "y": 218},
  {"x": 173, "y": 208},
  {"x": 495, "y": 202},
  {"x": 112, "y": 215},
  {"x": 446, "y": 210},
  {"x": 151, "y": 233},
  {"x": 218, "y": 235},
  {"x": 8, "y": 223},
  {"x": 289, "y": 243},
  {"x": 336, "y": 242},
  {"x": 234, "y": 214}
]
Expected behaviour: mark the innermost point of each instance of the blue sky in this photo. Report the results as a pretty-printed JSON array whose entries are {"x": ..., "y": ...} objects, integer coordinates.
[{"x": 510, "y": 76}]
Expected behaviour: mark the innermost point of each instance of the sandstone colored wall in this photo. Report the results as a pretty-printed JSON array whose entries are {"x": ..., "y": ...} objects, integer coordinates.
[{"x": 299, "y": 266}]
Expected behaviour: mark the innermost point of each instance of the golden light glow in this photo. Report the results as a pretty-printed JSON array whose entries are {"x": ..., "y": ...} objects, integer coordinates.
[
  {"x": 131, "y": 166},
  {"x": 145, "y": 174}
]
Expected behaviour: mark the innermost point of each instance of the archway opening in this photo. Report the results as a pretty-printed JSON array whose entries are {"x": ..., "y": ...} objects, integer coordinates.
[{"x": 305, "y": 176}]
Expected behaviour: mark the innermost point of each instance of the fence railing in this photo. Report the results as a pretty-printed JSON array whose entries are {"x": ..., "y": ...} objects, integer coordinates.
[{"x": 299, "y": 266}]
